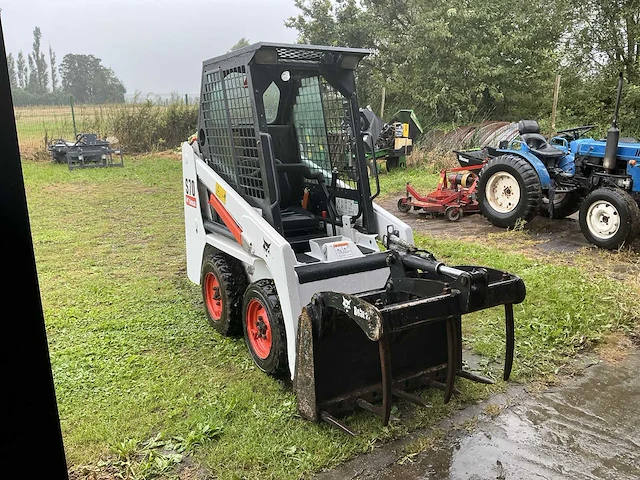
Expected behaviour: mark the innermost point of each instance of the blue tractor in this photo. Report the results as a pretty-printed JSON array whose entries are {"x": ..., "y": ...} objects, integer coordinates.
[{"x": 569, "y": 173}]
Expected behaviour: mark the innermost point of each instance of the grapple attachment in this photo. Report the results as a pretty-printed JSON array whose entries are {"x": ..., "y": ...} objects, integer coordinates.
[{"x": 358, "y": 351}]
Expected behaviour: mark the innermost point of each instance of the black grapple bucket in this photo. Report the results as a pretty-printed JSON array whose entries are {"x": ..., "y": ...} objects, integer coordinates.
[{"x": 360, "y": 351}]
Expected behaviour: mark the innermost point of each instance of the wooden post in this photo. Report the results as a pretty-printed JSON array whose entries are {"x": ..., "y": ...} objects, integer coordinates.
[
  {"x": 556, "y": 90},
  {"x": 384, "y": 94}
]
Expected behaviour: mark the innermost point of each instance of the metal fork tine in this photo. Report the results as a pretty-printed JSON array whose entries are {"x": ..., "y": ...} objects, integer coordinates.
[
  {"x": 451, "y": 358},
  {"x": 409, "y": 397},
  {"x": 474, "y": 377},
  {"x": 385, "y": 365},
  {"x": 510, "y": 340},
  {"x": 362, "y": 403},
  {"x": 331, "y": 420}
]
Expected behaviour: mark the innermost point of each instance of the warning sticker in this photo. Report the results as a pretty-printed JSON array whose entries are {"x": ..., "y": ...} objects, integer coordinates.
[
  {"x": 346, "y": 206},
  {"x": 342, "y": 250},
  {"x": 221, "y": 193}
]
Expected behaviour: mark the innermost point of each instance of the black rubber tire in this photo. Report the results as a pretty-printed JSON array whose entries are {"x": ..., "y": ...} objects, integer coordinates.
[
  {"x": 392, "y": 163},
  {"x": 276, "y": 362},
  {"x": 569, "y": 205},
  {"x": 528, "y": 205},
  {"x": 453, "y": 214},
  {"x": 232, "y": 284},
  {"x": 403, "y": 207},
  {"x": 626, "y": 207}
]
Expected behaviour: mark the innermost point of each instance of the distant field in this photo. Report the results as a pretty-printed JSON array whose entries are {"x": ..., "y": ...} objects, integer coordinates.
[{"x": 38, "y": 126}]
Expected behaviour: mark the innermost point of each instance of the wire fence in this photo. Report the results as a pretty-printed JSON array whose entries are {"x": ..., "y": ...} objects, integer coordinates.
[{"x": 38, "y": 126}]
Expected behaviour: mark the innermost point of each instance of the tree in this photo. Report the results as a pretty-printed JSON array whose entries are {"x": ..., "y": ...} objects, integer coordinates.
[
  {"x": 54, "y": 69},
  {"x": 84, "y": 77},
  {"x": 243, "y": 42},
  {"x": 13, "y": 77},
  {"x": 22, "y": 73},
  {"x": 38, "y": 66}
]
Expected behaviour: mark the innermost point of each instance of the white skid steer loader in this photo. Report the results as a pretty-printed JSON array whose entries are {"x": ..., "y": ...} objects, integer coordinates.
[{"x": 283, "y": 236}]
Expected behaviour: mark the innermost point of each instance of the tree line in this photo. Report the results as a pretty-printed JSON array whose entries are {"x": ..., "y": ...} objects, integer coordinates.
[
  {"x": 463, "y": 61},
  {"x": 36, "y": 82}
]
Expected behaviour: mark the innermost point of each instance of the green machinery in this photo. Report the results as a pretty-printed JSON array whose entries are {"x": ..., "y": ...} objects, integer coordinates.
[{"x": 391, "y": 141}]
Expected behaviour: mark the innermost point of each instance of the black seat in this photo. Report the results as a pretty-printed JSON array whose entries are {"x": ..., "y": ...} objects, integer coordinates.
[{"x": 530, "y": 132}]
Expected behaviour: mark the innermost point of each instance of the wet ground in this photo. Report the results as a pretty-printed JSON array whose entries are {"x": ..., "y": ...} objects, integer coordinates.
[{"x": 587, "y": 428}]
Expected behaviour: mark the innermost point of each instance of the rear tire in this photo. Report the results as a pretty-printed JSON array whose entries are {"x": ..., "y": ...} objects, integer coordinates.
[
  {"x": 568, "y": 204},
  {"x": 223, "y": 283},
  {"x": 509, "y": 190},
  {"x": 263, "y": 326},
  {"x": 609, "y": 218}
]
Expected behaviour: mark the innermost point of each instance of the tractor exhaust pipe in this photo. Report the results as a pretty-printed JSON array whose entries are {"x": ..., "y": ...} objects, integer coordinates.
[{"x": 613, "y": 135}]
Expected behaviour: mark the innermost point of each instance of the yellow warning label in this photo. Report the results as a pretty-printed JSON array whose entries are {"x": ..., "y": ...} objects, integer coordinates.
[
  {"x": 221, "y": 193},
  {"x": 405, "y": 130}
]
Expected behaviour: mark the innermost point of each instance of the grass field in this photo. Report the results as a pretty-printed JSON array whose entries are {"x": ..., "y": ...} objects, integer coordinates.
[{"x": 147, "y": 389}]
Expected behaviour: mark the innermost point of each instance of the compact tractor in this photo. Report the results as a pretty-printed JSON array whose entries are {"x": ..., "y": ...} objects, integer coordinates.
[
  {"x": 290, "y": 250},
  {"x": 569, "y": 173}
]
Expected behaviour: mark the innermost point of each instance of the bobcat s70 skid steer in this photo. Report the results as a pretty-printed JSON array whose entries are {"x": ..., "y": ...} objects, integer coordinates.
[{"x": 289, "y": 248}]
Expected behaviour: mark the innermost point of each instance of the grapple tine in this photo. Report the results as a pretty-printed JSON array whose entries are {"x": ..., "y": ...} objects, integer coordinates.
[
  {"x": 429, "y": 382},
  {"x": 409, "y": 397},
  {"x": 452, "y": 357},
  {"x": 510, "y": 340},
  {"x": 362, "y": 403},
  {"x": 331, "y": 420},
  {"x": 475, "y": 378},
  {"x": 385, "y": 366}
]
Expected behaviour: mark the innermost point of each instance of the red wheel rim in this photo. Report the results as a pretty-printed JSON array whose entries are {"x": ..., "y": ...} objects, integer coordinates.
[
  {"x": 258, "y": 329},
  {"x": 213, "y": 297}
]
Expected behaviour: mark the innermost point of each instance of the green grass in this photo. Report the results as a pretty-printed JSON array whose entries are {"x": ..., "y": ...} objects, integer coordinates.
[{"x": 137, "y": 367}]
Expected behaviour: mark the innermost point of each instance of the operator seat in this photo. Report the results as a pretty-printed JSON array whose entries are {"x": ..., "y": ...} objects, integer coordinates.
[{"x": 530, "y": 132}]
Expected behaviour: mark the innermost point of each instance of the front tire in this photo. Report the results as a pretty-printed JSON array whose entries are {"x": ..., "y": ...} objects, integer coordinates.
[
  {"x": 263, "y": 326},
  {"x": 509, "y": 190},
  {"x": 609, "y": 218}
]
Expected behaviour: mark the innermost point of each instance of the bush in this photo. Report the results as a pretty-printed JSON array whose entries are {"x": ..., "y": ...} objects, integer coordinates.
[{"x": 145, "y": 127}]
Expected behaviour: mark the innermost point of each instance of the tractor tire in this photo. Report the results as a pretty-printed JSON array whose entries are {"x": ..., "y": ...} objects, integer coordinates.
[
  {"x": 392, "y": 163},
  {"x": 609, "y": 218},
  {"x": 223, "y": 283},
  {"x": 263, "y": 326},
  {"x": 509, "y": 190}
]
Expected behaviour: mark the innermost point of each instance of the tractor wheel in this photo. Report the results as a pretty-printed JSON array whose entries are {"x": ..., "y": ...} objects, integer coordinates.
[
  {"x": 564, "y": 204},
  {"x": 509, "y": 190},
  {"x": 609, "y": 218},
  {"x": 263, "y": 327},
  {"x": 453, "y": 214},
  {"x": 403, "y": 206},
  {"x": 223, "y": 283},
  {"x": 392, "y": 163}
]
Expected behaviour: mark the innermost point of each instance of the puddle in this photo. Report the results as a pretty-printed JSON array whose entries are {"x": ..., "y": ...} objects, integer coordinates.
[{"x": 586, "y": 429}]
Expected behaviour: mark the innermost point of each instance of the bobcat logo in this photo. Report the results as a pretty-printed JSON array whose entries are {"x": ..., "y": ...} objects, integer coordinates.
[
  {"x": 266, "y": 246},
  {"x": 346, "y": 304}
]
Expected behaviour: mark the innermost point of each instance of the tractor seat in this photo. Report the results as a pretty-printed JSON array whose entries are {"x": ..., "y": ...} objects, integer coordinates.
[
  {"x": 530, "y": 132},
  {"x": 297, "y": 219}
]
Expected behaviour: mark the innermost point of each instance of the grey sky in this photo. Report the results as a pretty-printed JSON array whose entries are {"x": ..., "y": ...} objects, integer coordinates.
[{"x": 153, "y": 46}]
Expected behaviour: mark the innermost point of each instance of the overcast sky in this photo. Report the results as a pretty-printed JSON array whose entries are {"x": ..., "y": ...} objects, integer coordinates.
[{"x": 153, "y": 46}]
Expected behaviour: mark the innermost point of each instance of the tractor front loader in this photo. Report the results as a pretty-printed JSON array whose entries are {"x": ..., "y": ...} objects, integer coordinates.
[{"x": 289, "y": 248}]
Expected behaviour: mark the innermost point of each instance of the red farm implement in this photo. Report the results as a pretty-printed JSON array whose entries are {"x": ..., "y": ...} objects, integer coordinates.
[{"x": 454, "y": 196}]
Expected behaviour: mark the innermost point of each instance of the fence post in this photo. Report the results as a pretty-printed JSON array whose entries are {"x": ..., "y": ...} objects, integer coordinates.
[
  {"x": 73, "y": 117},
  {"x": 186, "y": 99},
  {"x": 554, "y": 109}
]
